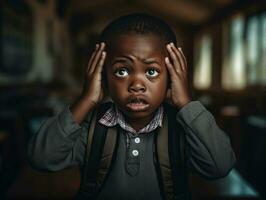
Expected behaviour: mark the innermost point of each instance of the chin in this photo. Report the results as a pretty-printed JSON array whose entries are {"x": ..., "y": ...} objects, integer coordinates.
[{"x": 138, "y": 114}]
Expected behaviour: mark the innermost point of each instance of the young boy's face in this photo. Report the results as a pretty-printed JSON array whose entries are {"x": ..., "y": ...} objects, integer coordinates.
[{"x": 136, "y": 74}]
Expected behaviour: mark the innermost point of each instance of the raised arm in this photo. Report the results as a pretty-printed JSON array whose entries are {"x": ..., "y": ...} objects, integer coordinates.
[
  {"x": 61, "y": 140},
  {"x": 59, "y": 143},
  {"x": 210, "y": 152},
  {"x": 209, "y": 149}
]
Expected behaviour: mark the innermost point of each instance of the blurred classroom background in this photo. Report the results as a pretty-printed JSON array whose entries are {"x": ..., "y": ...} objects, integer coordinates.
[{"x": 45, "y": 47}]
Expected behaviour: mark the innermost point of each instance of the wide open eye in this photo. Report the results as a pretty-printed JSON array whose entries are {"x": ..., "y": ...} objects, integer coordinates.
[
  {"x": 122, "y": 72},
  {"x": 152, "y": 72}
]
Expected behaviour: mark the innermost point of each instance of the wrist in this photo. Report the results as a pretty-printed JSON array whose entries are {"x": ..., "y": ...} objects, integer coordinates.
[
  {"x": 183, "y": 102},
  {"x": 81, "y": 108},
  {"x": 87, "y": 100}
]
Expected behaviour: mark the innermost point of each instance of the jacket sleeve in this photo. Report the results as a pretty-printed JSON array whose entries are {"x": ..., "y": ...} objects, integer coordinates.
[
  {"x": 59, "y": 143},
  {"x": 209, "y": 150}
]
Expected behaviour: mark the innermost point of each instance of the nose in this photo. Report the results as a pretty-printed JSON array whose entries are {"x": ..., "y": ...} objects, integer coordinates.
[{"x": 137, "y": 85}]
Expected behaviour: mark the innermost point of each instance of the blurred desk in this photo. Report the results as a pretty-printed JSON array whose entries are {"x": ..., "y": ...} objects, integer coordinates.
[
  {"x": 232, "y": 186},
  {"x": 32, "y": 184}
]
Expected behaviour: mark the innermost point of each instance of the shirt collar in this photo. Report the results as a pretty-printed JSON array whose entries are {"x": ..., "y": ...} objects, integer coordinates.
[{"x": 114, "y": 116}]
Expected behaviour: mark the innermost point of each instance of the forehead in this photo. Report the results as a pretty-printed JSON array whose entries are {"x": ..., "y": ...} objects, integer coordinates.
[{"x": 136, "y": 45}]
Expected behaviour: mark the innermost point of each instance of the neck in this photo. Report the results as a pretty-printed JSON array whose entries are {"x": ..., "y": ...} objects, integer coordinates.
[{"x": 139, "y": 123}]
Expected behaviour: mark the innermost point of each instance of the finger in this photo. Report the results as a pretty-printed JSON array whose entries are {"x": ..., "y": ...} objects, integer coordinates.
[
  {"x": 170, "y": 67},
  {"x": 92, "y": 57},
  {"x": 179, "y": 55},
  {"x": 174, "y": 58},
  {"x": 183, "y": 56},
  {"x": 97, "y": 57},
  {"x": 100, "y": 64}
]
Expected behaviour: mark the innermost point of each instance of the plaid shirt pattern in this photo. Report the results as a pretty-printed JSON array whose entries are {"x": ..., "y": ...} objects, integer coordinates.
[{"x": 113, "y": 117}]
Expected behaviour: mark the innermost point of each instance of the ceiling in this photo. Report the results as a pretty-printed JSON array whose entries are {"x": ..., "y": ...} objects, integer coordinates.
[
  {"x": 91, "y": 16},
  {"x": 186, "y": 12}
]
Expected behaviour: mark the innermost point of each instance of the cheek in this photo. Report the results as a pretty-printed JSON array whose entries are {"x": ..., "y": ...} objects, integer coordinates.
[
  {"x": 164, "y": 85},
  {"x": 164, "y": 82},
  {"x": 159, "y": 88}
]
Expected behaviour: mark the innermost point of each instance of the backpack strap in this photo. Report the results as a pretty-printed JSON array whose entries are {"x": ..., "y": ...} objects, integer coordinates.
[
  {"x": 171, "y": 150},
  {"x": 164, "y": 172},
  {"x": 99, "y": 151},
  {"x": 170, "y": 154},
  {"x": 107, "y": 155},
  {"x": 177, "y": 149}
]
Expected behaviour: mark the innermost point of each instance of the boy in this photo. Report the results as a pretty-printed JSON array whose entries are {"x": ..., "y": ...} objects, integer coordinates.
[{"x": 138, "y": 62}]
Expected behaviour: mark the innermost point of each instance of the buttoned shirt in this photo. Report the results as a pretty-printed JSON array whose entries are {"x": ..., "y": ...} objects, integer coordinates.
[{"x": 134, "y": 158}]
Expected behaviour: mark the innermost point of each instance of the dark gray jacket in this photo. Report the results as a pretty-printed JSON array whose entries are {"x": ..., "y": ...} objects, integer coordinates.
[{"x": 60, "y": 143}]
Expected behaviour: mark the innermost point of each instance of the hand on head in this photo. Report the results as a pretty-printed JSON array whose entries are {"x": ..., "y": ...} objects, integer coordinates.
[
  {"x": 177, "y": 67},
  {"x": 143, "y": 67},
  {"x": 179, "y": 94},
  {"x": 93, "y": 86},
  {"x": 93, "y": 91}
]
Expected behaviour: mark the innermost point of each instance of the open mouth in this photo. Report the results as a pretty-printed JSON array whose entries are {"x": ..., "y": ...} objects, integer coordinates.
[{"x": 137, "y": 105}]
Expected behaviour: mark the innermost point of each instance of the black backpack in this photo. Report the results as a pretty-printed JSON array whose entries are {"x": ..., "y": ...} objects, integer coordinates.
[{"x": 170, "y": 151}]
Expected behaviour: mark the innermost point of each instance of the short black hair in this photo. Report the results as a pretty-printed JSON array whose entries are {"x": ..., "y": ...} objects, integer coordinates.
[{"x": 138, "y": 23}]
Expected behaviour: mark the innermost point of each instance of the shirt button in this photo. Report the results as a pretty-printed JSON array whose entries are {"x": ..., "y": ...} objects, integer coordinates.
[
  {"x": 137, "y": 140},
  {"x": 135, "y": 152}
]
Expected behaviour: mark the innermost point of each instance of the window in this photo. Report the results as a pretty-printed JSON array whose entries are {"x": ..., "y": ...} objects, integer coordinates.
[
  {"x": 203, "y": 63},
  {"x": 244, "y": 52},
  {"x": 233, "y": 71},
  {"x": 252, "y": 50},
  {"x": 262, "y": 71}
]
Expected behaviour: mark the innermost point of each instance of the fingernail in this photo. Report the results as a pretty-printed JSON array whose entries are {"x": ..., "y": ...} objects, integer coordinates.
[
  {"x": 96, "y": 46},
  {"x": 172, "y": 44},
  {"x": 103, "y": 53},
  {"x": 179, "y": 48},
  {"x": 166, "y": 59}
]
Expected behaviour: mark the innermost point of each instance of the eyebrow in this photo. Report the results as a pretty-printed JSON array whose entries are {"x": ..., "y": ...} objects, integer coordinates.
[
  {"x": 122, "y": 59},
  {"x": 150, "y": 60},
  {"x": 126, "y": 58}
]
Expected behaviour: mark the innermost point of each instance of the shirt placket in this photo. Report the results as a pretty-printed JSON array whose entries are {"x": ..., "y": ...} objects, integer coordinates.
[{"x": 132, "y": 163}]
